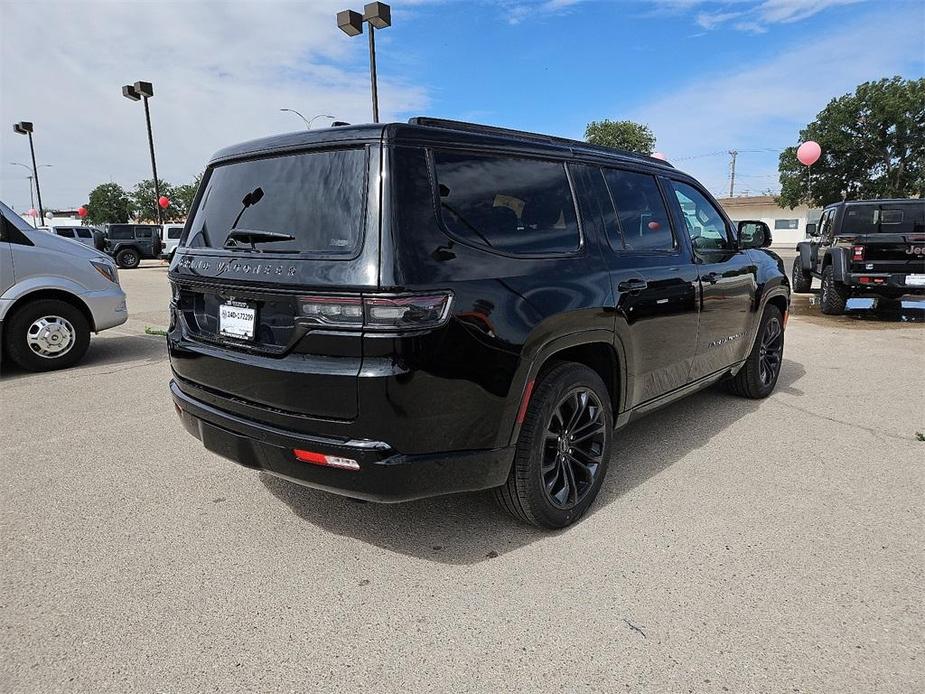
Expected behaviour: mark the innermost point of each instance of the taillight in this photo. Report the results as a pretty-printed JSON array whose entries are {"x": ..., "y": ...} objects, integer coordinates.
[
  {"x": 405, "y": 312},
  {"x": 857, "y": 254},
  {"x": 327, "y": 460}
]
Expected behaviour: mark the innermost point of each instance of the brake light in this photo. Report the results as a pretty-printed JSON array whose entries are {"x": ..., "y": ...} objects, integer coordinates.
[
  {"x": 857, "y": 254},
  {"x": 405, "y": 312},
  {"x": 328, "y": 460}
]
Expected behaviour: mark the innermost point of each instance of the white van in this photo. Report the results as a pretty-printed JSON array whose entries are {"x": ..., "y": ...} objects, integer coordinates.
[
  {"x": 53, "y": 293},
  {"x": 170, "y": 237}
]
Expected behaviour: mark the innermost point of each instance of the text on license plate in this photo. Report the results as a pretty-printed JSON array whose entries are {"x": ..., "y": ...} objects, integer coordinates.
[
  {"x": 236, "y": 320},
  {"x": 915, "y": 280}
]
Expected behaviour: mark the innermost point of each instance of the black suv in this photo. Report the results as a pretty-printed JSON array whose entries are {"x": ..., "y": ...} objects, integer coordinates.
[
  {"x": 399, "y": 311},
  {"x": 129, "y": 243},
  {"x": 870, "y": 247}
]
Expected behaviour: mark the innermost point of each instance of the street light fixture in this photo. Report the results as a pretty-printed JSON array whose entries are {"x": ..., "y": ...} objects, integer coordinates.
[
  {"x": 144, "y": 91},
  {"x": 379, "y": 16},
  {"x": 308, "y": 121},
  {"x": 30, "y": 177},
  {"x": 25, "y": 128}
]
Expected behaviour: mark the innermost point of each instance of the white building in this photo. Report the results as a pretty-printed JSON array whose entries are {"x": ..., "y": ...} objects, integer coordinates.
[{"x": 787, "y": 226}]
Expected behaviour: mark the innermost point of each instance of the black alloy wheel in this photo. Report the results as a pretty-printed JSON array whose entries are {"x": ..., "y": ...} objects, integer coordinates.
[
  {"x": 771, "y": 352},
  {"x": 758, "y": 376},
  {"x": 574, "y": 448}
]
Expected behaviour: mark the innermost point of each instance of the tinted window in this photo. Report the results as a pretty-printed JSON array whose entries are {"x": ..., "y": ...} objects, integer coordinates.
[
  {"x": 66, "y": 233},
  {"x": 174, "y": 232},
  {"x": 84, "y": 233},
  {"x": 316, "y": 198},
  {"x": 143, "y": 232},
  {"x": 641, "y": 210},
  {"x": 507, "y": 204},
  {"x": 860, "y": 219},
  {"x": 704, "y": 223},
  {"x": 786, "y": 223},
  {"x": 121, "y": 232},
  {"x": 902, "y": 219}
]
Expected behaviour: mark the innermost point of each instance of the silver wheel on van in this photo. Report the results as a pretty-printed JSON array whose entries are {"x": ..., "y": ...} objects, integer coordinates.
[{"x": 51, "y": 336}]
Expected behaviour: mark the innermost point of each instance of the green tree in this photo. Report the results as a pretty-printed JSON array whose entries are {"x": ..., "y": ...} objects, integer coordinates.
[
  {"x": 144, "y": 201},
  {"x": 109, "y": 204},
  {"x": 621, "y": 134},
  {"x": 873, "y": 146},
  {"x": 183, "y": 195}
]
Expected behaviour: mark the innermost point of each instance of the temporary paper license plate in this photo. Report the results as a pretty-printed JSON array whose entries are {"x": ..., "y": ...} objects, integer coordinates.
[
  {"x": 915, "y": 280},
  {"x": 236, "y": 320}
]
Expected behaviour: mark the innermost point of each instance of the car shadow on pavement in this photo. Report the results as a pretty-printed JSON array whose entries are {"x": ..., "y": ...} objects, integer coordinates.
[
  {"x": 470, "y": 528},
  {"x": 106, "y": 351}
]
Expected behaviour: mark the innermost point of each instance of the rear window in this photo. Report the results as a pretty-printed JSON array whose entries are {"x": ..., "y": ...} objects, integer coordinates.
[
  {"x": 121, "y": 233},
  {"x": 521, "y": 206},
  {"x": 317, "y": 199},
  {"x": 888, "y": 218},
  {"x": 174, "y": 232}
]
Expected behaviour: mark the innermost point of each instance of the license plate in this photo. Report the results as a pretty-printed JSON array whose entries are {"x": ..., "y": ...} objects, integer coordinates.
[
  {"x": 915, "y": 280},
  {"x": 236, "y": 320}
]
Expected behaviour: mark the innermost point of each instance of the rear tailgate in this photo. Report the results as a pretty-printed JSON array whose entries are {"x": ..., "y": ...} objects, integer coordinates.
[
  {"x": 890, "y": 253},
  {"x": 240, "y": 333}
]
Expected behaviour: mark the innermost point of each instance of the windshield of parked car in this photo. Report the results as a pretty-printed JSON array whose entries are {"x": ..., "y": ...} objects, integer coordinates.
[{"x": 313, "y": 202}]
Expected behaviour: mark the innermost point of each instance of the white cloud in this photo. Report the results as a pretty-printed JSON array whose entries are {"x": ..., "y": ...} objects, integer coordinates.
[
  {"x": 221, "y": 72},
  {"x": 764, "y": 105},
  {"x": 517, "y": 12},
  {"x": 753, "y": 16}
]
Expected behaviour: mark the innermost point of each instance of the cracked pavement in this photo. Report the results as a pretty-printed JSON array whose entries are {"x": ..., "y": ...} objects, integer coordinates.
[{"x": 736, "y": 546}]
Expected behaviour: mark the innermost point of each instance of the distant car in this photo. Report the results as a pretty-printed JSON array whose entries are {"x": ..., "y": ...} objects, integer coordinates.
[
  {"x": 82, "y": 234},
  {"x": 170, "y": 237},
  {"x": 53, "y": 293},
  {"x": 130, "y": 243},
  {"x": 864, "y": 247}
]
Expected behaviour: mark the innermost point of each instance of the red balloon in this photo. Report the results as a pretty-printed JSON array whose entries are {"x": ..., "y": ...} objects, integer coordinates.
[
  {"x": 654, "y": 226},
  {"x": 808, "y": 153},
  {"x": 81, "y": 211},
  {"x": 163, "y": 201}
]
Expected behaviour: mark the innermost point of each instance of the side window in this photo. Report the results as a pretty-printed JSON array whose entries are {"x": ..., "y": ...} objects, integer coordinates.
[
  {"x": 521, "y": 206},
  {"x": 84, "y": 233},
  {"x": 174, "y": 232},
  {"x": 66, "y": 233},
  {"x": 704, "y": 223},
  {"x": 641, "y": 211},
  {"x": 825, "y": 224},
  {"x": 121, "y": 233},
  {"x": 143, "y": 232},
  {"x": 786, "y": 224}
]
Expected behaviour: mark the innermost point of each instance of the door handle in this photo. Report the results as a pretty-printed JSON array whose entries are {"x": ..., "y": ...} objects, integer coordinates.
[
  {"x": 633, "y": 286},
  {"x": 711, "y": 277}
]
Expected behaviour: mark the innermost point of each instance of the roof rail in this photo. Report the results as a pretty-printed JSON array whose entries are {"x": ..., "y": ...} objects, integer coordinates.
[{"x": 525, "y": 135}]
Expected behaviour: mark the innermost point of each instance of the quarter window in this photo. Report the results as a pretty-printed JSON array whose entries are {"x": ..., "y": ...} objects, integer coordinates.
[
  {"x": 174, "y": 232},
  {"x": 641, "y": 211},
  {"x": 521, "y": 206},
  {"x": 66, "y": 233}
]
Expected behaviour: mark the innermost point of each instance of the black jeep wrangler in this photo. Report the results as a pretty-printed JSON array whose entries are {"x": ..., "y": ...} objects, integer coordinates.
[
  {"x": 129, "y": 243},
  {"x": 864, "y": 247}
]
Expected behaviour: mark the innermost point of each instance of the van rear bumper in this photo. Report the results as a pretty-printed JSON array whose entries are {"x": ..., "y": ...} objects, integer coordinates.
[{"x": 384, "y": 475}]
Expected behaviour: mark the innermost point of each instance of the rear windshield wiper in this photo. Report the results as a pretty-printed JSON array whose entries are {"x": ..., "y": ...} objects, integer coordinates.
[{"x": 253, "y": 237}]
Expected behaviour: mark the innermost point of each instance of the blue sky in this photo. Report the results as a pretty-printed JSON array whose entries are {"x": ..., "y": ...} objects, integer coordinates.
[{"x": 706, "y": 76}]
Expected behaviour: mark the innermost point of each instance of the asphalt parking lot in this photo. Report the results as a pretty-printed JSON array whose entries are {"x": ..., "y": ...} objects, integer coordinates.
[{"x": 739, "y": 546}]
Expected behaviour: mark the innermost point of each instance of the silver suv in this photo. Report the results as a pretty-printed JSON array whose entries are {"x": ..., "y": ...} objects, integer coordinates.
[{"x": 53, "y": 293}]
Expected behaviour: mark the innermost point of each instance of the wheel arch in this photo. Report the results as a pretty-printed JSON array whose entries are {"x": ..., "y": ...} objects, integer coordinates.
[{"x": 52, "y": 293}]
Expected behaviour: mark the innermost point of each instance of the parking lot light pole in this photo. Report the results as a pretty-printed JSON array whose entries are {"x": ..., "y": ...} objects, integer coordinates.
[
  {"x": 30, "y": 178},
  {"x": 379, "y": 16},
  {"x": 144, "y": 91},
  {"x": 25, "y": 128}
]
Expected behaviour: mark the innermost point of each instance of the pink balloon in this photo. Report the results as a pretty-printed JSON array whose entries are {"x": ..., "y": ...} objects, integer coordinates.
[
  {"x": 33, "y": 212},
  {"x": 808, "y": 153},
  {"x": 659, "y": 155}
]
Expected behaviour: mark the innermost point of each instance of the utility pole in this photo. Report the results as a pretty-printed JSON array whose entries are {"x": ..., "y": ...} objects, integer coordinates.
[{"x": 732, "y": 171}]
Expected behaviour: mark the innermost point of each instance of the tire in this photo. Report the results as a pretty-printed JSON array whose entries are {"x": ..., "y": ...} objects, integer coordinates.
[
  {"x": 553, "y": 481},
  {"x": 38, "y": 330},
  {"x": 758, "y": 377},
  {"x": 128, "y": 258},
  {"x": 834, "y": 295},
  {"x": 801, "y": 282}
]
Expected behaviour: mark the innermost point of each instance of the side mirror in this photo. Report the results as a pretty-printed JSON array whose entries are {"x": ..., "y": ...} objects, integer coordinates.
[
  {"x": 754, "y": 234},
  {"x": 812, "y": 230}
]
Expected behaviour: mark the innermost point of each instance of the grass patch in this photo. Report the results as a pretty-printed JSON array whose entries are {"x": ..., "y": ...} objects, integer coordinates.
[
  {"x": 155, "y": 331},
  {"x": 920, "y": 436}
]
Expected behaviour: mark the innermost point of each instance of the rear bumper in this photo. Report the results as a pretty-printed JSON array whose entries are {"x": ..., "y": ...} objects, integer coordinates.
[
  {"x": 883, "y": 280},
  {"x": 384, "y": 474}
]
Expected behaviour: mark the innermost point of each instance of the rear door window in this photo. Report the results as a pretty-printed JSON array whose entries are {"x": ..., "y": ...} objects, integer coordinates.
[
  {"x": 313, "y": 202},
  {"x": 143, "y": 232},
  {"x": 84, "y": 233},
  {"x": 507, "y": 204},
  {"x": 121, "y": 233},
  {"x": 641, "y": 211}
]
